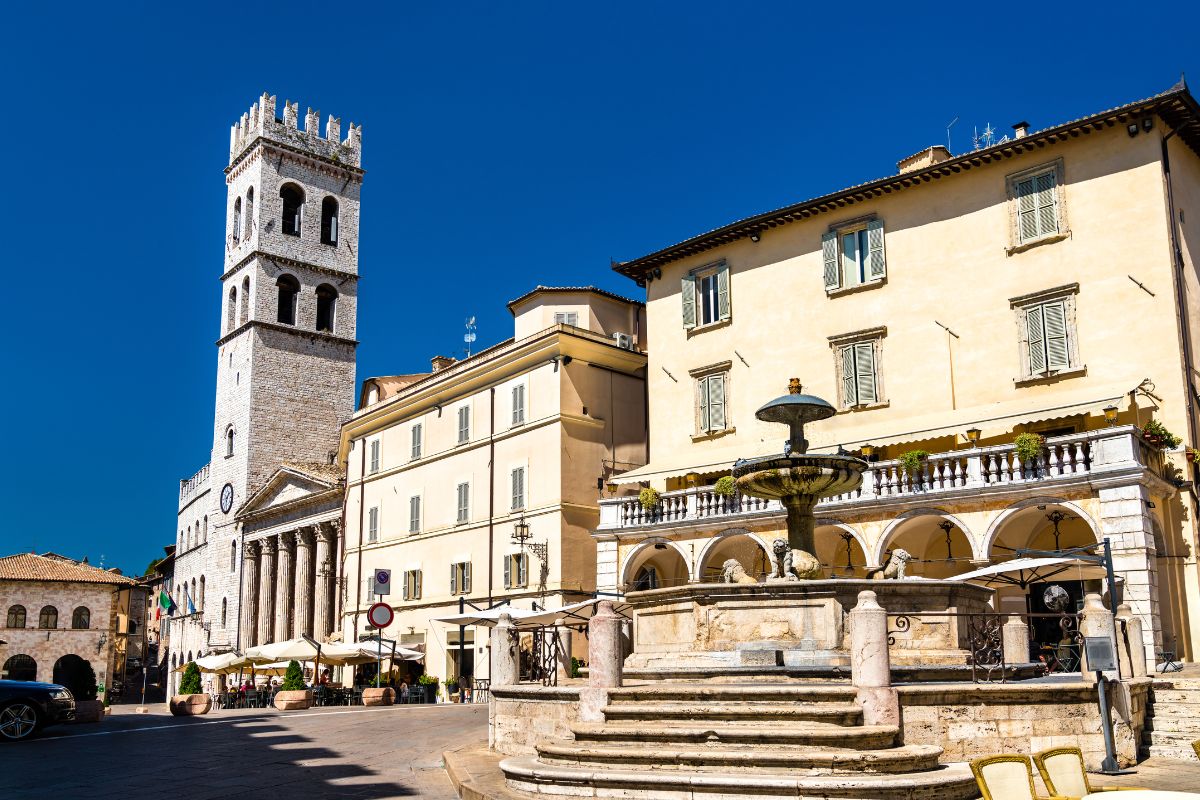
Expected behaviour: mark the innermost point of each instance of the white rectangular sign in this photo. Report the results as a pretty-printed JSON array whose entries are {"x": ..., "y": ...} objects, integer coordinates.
[{"x": 383, "y": 581}]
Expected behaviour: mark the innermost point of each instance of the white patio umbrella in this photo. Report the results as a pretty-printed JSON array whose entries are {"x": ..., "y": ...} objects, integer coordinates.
[
  {"x": 302, "y": 649},
  {"x": 1024, "y": 571},
  {"x": 489, "y": 617},
  {"x": 222, "y": 663}
]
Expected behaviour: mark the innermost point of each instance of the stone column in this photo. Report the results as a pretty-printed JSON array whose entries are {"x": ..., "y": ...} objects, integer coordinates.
[
  {"x": 1097, "y": 622},
  {"x": 1015, "y": 636},
  {"x": 283, "y": 587},
  {"x": 302, "y": 625},
  {"x": 1127, "y": 522},
  {"x": 605, "y": 661},
  {"x": 324, "y": 573},
  {"x": 870, "y": 662},
  {"x": 266, "y": 592},
  {"x": 1131, "y": 647},
  {"x": 335, "y": 577},
  {"x": 505, "y": 666},
  {"x": 249, "y": 594}
]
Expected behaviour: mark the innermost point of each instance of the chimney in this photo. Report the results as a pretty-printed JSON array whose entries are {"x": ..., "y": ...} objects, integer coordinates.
[
  {"x": 1021, "y": 130},
  {"x": 441, "y": 362},
  {"x": 926, "y": 158}
]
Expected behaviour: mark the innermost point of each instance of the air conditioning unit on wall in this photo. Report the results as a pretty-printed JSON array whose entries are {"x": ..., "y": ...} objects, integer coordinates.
[{"x": 624, "y": 341}]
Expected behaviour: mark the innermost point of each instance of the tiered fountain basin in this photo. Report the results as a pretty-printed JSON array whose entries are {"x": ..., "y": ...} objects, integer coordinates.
[
  {"x": 809, "y": 475},
  {"x": 796, "y": 624}
]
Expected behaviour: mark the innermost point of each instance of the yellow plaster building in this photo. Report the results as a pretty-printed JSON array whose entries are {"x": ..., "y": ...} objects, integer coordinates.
[
  {"x": 443, "y": 468},
  {"x": 1046, "y": 284}
]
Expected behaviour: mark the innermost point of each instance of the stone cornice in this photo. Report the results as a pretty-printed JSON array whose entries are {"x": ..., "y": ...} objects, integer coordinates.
[
  {"x": 286, "y": 261},
  {"x": 275, "y": 326},
  {"x": 263, "y": 143}
]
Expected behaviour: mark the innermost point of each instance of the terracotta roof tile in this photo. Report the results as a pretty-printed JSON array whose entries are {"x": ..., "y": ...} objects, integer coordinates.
[{"x": 32, "y": 567}]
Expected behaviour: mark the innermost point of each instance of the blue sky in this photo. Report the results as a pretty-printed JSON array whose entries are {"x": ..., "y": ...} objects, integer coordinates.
[{"x": 506, "y": 144}]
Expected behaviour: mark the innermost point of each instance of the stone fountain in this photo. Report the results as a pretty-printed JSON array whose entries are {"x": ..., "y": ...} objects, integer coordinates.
[{"x": 796, "y": 479}]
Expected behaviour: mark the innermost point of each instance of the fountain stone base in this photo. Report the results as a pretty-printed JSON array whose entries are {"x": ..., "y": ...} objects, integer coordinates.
[{"x": 797, "y": 623}]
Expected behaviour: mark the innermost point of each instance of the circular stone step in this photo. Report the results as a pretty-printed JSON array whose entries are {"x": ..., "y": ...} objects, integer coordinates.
[
  {"x": 833, "y": 713},
  {"x": 813, "y": 734}
]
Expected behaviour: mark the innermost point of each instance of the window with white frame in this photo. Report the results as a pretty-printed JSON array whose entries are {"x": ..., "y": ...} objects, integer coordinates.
[
  {"x": 460, "y": 578},
  {"x": 518, "y": 404},
  {"x": 414, "y": 514},
  {"x": 516, "y": 571},
  {"x": 1036, "y": 204},
  {"x": 374, "y": 457},
  {"x": 566, "y": 318},
  {"x": 518, "y": 488},
  {"x": 373, "y": 524},
  {"x": 853, "y": 255},
  {"x": 706, "y": 296},
  {"x": 464, "y": 424},
  {"x": 712, "y": 391},
  {"x": 412, "y": 584},
  {"x": 463, "y": 511},
  {"x": 417, "y": 430},
  {"x": 1046, "y": 332},
  {"x": 856, "y": 362}
]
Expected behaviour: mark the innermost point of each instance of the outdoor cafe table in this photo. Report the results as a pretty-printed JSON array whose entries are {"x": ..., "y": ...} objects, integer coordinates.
[{"x": 1143, "y": 794}]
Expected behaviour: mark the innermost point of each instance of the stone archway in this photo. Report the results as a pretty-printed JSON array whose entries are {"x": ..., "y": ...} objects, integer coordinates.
[
  {"x": 19, "y": 667},
  {"x": 833, "y": 538},
  {"x": 655, "y": 564},
  {"x": 736, "y": 543},
  {"x": 76, "y": 673},
  {"x": 940, "y": 544},
  {"x": 1019, "y": 525}
]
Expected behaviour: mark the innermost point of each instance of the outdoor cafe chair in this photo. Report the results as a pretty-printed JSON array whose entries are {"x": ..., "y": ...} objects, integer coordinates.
[
  {"x": 1063, "y": 773},
  {"x": 1007, "y": 777},
  {"x": 1196, "y": 747}
]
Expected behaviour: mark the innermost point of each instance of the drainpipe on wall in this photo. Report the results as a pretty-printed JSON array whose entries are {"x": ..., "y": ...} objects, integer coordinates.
[
  {"x": 491, "y": 486},
  {"x": 362, "y": 500},
  {"x": 241, "y": 562}
]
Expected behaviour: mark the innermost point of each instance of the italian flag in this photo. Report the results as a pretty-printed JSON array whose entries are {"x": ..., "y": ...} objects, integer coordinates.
[{"x": 165, "y": 602}]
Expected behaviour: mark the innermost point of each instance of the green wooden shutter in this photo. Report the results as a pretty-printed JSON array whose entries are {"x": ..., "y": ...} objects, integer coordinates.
[
  {"x": 454, "y": 579},
  {"x": 1027, "y": 223},
  {"x": 876, "y": 268},
  {"x": 508, "y": 572},
  {"x": 1037, "y": 340},
  {"x": 1057, "y": 353},
  {"x": 702, "y": 388},
  {"x": 864, "y": 369},
  {"x": 523, "y": 570},
  {"x": 1047, "y": 202},
  {"x": 716, "y": 402},
  {"x": 723, "y": 291},
  {"x": 829, "y": 255},
  {"x": 689, "y": 301},
  {"x": 849, "y": 386},
  {"x": 466, "y": 578}
]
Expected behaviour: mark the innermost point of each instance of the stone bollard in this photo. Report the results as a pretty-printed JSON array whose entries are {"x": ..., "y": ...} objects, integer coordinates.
[
  {"x": 606, "y": 657},
  {"x": 870, "y": 662},
  {"x": 1015, "y": 636},
  {"x": 1097, "y": 622},
  {"x": 505, "y": 666},
  {"x": 1131, "y": 645}
]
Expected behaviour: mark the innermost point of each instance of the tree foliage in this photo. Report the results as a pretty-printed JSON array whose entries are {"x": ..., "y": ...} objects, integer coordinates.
[
  {"x": 293, "y": 679},
  {"x": 191, "y": 679}
]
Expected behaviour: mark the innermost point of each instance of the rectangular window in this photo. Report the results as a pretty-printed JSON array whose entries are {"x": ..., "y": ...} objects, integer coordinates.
[
  {"x": 566, "y": 318},
  {"x": 374, "y": 456},
  {"x": 1048, "y": 337},
  {"x": 464, "y": 424},
  {"x": 518, "y": 404},
  {"x": 516, "y": 571},
  {"x": 710, "y": 400},
  {"x": 464, "y": 502},
  {"x": 518, "y": 488},
  {"x": 416, "y": 441},
  {"x": 412, "y": 584},
  {"x": 1037, "y": 205},
  {"x": 373, "y": 524},
  {"x": 705, "y": 295},
  {"x": 859, "y": 377},
  {"x": 460, "y": 578},
  {"x": 853, "y": 255},
  {"x": 414, "y": 514}
]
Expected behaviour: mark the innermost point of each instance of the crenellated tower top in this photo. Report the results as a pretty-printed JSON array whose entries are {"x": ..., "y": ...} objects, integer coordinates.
[{"x": 260, "y": 122}]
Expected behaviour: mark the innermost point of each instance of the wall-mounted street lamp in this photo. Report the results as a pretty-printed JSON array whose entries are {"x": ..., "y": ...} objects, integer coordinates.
[
  {"x": 867, "y": 450},
  {"x": 973, "y": 435}
]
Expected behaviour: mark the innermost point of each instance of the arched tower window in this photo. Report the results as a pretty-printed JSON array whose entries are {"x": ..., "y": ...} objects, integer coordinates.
[
  {"x": 326, "y": 305},
  {"x": 48, "y": 617},
  {"x": 249, "y": 224},
  {"x": 205, "y": 529},
  {"x": 201, "y": 595},
  {"x": 233, "y": 556},
  {"x": 16, "y": 616},
  {"x": 329, "y": 221},
  {"x": 289, "y": 290},
  {"x": 237, "y": 220},
  {"x": 190, "y": 541},
  {"x": 81, "y": 619},
  {"x": 229, "y": 441},
  {"x": 231, "y": 310},
  {"x": 194, "y": 597},
  {"x": 293, "y": 208},
  {"x": 244, "y": 313}
]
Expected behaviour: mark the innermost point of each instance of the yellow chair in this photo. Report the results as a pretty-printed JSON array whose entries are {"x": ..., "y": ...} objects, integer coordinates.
[
  {"x": 1064, "y": 774},
  {"x": 1006, "y": 777},
  {"x": 1196, "y": 747}
]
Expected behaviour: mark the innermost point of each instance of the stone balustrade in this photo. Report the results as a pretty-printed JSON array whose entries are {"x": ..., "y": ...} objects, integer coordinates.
[{"x": 1064, "y": 459}]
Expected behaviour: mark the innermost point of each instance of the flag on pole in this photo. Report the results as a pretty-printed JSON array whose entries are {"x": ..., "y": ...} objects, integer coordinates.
[
  {"x": 165, "y": 602},
  {"x": 191, "y": 607}
]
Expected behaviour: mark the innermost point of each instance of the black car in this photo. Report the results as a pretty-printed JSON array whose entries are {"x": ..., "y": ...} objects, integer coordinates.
[{"x": 28, "y": 706}]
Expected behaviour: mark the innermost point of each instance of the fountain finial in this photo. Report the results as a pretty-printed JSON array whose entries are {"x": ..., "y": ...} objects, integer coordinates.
[{"x": 794, "y": 386}]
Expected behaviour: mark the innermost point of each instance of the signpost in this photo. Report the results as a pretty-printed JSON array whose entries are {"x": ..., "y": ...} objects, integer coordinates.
[
  {"x": 383, "y": 581},
  {"x": 379, "y": 616}
]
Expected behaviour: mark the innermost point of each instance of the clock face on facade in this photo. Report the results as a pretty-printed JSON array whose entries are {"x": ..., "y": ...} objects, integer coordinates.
[{"x": 226, "y": 497}]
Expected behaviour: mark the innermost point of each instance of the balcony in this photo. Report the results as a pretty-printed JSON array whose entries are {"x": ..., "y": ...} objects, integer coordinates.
[
  {"x": 192, "y": 486},
  {"x": 1117, "y": 453}
]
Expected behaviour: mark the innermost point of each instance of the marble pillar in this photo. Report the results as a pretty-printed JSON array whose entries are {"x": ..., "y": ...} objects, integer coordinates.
[
  {"x": 605, "y": 660},
  {"x": 302, "y": 624},
  {"x": 322, "y": 610},
  {"x": 266, "y": 592},
  {"x": 870, "y": 662},
  {"x": 250, "y": 580},
  {"x": 1015, "y": 638},
  {"x": 283, "y": 587}
]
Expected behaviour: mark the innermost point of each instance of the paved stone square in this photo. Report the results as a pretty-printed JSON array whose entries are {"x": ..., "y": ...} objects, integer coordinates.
[{"x": 375, "y": 753}]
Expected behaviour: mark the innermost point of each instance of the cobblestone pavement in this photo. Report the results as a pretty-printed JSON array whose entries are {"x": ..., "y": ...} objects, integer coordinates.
[{"x": 375, "y": 753}]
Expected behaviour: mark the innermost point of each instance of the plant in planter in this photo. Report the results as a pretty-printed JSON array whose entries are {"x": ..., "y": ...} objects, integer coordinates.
[
  {"x": 83, "y": 686},
  {"x": 725, "y": 486},
  {"x": 576, "y": 664},
  {"x": 1191, "y": 454},
  {"x": 191, "y": 700},
  {"x": 1157, "y": 434},
  {"x": 429, "y": 684},
  {"x": 1029, "y": 446},
  {"x": 292, "y": 694},
  {"x": 452, "y": 689},
  {"x": 648, "y": 498},
  {"x": 912, "y": 462}
]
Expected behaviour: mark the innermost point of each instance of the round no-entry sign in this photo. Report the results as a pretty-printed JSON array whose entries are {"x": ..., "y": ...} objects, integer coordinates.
[{"x": 380, "y": 615}]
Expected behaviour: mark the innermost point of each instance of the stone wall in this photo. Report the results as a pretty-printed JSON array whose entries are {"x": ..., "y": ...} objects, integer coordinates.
[
  {"x": 46, "y": 646},
  {"x": 974, "y": 720},
  {"x": 522, "y": 716}
]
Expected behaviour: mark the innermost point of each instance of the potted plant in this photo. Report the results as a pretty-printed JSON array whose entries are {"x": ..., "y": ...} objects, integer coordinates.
[
  {"x": 293, "y": 695},
  {"x": 648, "y": 498},
  {"x": 378, "y": 695},
  {"x": 912, "y": 463},
  {"x": 1191, "y": 454},
  {"x": 83, "y": 687},
  {"x": 452, "y": 689},
  {"x": 1029, "y": 446},
  {"x": 191, "y": 700},
  {"x": 429, "y": 685},
  {"x": 725, "y": 486},
  {"x": 1157, "y": 435}
]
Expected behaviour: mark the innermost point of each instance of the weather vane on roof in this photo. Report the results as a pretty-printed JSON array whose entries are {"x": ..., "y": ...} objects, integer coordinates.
[{"x": 469, "y": 336}]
